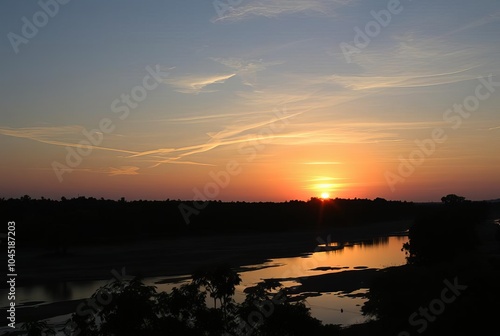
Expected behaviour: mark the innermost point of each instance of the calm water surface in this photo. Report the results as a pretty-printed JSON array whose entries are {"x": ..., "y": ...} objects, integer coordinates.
[{"x": 376, "y": 253}]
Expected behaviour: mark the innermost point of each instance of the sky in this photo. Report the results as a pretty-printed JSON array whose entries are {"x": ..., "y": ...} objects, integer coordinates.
[{"x": 250, "y": 100}]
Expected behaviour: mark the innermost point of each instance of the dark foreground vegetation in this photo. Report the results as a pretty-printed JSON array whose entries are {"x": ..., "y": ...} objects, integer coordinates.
[
  {"x": 130, "y": 308},
  {"x": 449, "y": 286}
]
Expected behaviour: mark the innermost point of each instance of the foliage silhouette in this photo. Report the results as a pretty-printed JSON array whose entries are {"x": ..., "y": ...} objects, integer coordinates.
[
  {"x": 39, "y": 328},
  {"x": 133, "y": 308},
  {"x": 442, "y": 247},
  {"x": 452, "y": 199},
  {"x": 128, "y": 308},
  {"x": 220, "y": 282},
  {"x": 442, "y": 243},
  {"x": 60, "y": 224},
  {"x": 443, "y": 231}
]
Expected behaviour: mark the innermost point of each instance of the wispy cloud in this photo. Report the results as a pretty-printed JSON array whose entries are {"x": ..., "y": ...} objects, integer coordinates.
[
  {"x": 197, "y": 83},
  {"x": 407, "y": 64},
  {"x": 205, "y": 118},
  {"x": 240, "y": 64},
  {"x": 324, "y": 178},
  {"x": 274, "y": 8},
  {"x": 296, "y": 133},
  {"x": 238, "y": 129},
  {"x": 69, "y": 136},
  {"x": 124, "y": 170},
  {"x": 66, "y": 136},
  {"x": 245, "y": 69},
  {"x": 322, "y": 163},
  {"x": 375, "y": 81},
  {"x": 231, "y": 135},
  {"x": 41, "y": 133},
  {"x": 490, "y": 18}
]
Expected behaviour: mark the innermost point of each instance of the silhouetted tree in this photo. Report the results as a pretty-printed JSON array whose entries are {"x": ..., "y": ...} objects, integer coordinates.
[
  {"x": 130, "y": 308},
  {"x": 39, "y": 328},
  {"x": 452, "y": 199},
  {"x": 279, "y": 314},
  {"x": 220, "y": 283},
  {"x": 184, "y": 310},
  {"x": 441, "y": 232}
]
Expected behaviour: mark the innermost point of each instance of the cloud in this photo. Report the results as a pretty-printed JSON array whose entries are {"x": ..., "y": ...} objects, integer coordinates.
[
  {"x": 197, "y": 83},
  {"x": 273, "y": 8},
  {"x": 56, "y": 135},
  {"x": 205, "y": 118},
  {"x": 233, "y": 134},
  {"x": 41, "y": 133},
  {"x": 296, "y": 133},
  {"x": 490, "y": 18},
  {"x": 245, "y": 69},
  {"x": 241, "y": 65},
  {"x": 366, "y": 82},
  {"x": 202, "y": 83},
  {"x": 278, "y": 130},
  {"x": 328, "y": 163},
  {"x": 324, "y": 178},
  {"x": 69, "y": 136},
  {"x": 124, "y": 170},
  {"x": 238, "y": 129},
  {"x": 415, "y": 61}
]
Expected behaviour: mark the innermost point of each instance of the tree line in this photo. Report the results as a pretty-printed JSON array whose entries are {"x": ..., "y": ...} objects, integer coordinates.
[{"x": 87, "y": 220}]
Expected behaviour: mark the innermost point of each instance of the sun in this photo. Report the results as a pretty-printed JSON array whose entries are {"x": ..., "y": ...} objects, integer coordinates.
[{"x": 325, "y": 195}]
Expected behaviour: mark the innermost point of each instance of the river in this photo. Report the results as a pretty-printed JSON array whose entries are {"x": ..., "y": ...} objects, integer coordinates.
[{"x": 334, "y": 307}]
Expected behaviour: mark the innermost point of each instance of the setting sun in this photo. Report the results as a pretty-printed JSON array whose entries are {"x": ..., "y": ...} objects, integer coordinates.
[{"x": 325, "y": 195}]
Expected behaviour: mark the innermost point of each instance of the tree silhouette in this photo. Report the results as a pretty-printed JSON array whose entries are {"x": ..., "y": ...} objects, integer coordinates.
[
  {"x": 443, "y": 231},
  {"x": 220, "y": 283},
  {"x": 39, "y": 328},
  {"x": 129, "y": 308},
  {"x": 184, "y": 310},
  {"x": 452, "y": 199}
]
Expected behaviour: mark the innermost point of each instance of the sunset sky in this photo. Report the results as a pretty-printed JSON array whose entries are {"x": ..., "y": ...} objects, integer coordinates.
[{"x": 274, "y": 99}]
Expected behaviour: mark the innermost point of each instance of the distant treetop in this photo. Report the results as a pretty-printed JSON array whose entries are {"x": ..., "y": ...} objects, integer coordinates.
[{"x": 452, "y": 199}]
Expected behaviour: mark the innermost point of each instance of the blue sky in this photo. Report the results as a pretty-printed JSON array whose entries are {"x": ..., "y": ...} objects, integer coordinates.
[{"x": 227, "y": 78}]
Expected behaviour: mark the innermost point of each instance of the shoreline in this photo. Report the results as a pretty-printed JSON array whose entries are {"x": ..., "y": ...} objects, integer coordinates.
[
  {"x": 183, "y": 255},
  {"x": 250, "y": 249},
  {"x": 272, "y": 246}
]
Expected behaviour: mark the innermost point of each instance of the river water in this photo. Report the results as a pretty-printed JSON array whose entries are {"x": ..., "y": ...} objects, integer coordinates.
[{"x": 329, "y": 307}]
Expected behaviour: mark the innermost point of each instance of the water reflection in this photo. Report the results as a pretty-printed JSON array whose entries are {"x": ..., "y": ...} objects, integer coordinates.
[
  {"x": 338, "y": 245},
  {"x": 336, "y": 308},
  {"x": 379, "y": 253},
  {"x": 329, "y": 258}
]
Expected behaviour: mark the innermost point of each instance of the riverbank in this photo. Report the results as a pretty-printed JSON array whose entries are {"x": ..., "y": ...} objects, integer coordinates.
[
  {"x": 172, "y": 258},
  {"x": 183, "y": 255}
]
